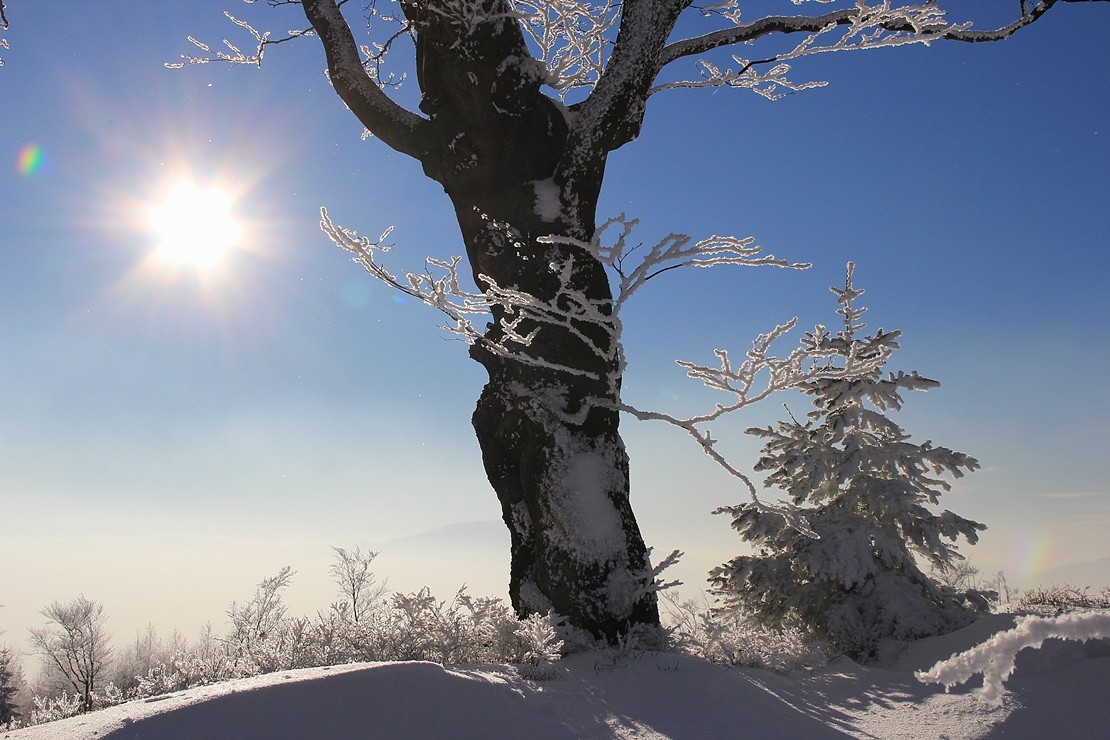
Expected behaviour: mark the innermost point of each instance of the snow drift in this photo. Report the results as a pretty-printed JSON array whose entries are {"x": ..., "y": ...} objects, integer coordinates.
[{"x": 1057, "y": 691}]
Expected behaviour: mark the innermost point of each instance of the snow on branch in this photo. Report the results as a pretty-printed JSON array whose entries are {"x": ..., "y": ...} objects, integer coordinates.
[
  {"x": 672, "y": 252},
  {"x": 818, "y": 356},
  {"x": 3, "y": 27},
  {"x": 572, "y": 38},
  {"x": 995, "y": 658},
  {"x": 465, "y": 16},
  {"x": 439, "y": 289},
  {"x": 235, "y": 55},
  {"x": 521, "y": 316},
  {"x": 866, "y": 26}
]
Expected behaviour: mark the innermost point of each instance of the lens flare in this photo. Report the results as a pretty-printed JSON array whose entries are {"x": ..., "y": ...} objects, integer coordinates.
[
  {"x": 1028, "y": 554},
  {"x": 30, "y": 160}
]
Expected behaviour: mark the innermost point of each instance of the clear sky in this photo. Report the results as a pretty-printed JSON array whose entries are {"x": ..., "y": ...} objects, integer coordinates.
[{"x": 169, "y": 436}]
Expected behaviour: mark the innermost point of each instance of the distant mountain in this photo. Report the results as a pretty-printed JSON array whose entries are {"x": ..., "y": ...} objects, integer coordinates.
[
  {"x": 474, "y": 553},
  {"x": 480, "y": 535},
  {"x": 1093, "y": 573}
]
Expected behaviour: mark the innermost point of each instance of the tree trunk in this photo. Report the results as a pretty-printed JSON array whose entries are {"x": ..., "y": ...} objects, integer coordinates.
[
  {"x": 502, "y": 152},
  {"x": 550, "y": 442},
  {"x": 549, "y": 439}
]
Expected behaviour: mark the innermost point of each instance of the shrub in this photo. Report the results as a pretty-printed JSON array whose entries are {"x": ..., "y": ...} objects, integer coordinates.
[
  {"x": 1062, "y": 599},
  {"x": 724, "y": 636}
]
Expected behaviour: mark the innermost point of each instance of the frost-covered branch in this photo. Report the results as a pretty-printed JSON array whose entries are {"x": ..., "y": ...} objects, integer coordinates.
[
  {"x": 354, "y": 71},
  {"x": 3, "y": 27},
  {"x": 521, "y": 316},
  {"x": 394, "y": 125},
  {"x": 673, "y": 251},
  {"x": 819, "y": 356},
  {"x": 236, "y": 56},
  {"x": 758, "y": 376},
  {"x": 572, "y": 38},
  {"x": 866, "y": 26},
  {"x": 995, "y": 658},
  {"x": 613, "y": 113},
  {"x": 464, "y": 16}
]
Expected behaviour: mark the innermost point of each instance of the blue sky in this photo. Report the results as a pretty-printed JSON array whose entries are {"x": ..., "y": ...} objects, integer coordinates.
[{"x": 168, "y": 438}]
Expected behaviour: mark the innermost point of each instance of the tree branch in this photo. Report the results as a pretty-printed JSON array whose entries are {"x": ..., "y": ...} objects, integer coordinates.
[
  {"x": 3, "y": 27},
  {"x": 399, "y": 128},
  {"x": 1028, "y": 16},
  {"x": 748, "y": 32},
  {"x": 611, "y": 116}
]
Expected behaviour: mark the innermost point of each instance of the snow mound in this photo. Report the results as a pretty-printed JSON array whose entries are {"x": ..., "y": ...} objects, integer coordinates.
[{"x": 1059, "y": 691}]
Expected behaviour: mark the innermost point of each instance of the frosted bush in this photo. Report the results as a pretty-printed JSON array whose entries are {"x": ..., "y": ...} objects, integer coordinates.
[
  {"x": 724, "y": 636},
  {"x": 421, "y": 627},
  {"x": 466, "y": 629},
  {"x": 1062, "y": 599},
  {"x": 110, "y": 696},
  {"x": 413, "y": 626},
  {"x": 538, "y": 647},
  {"x": 48, "y": 709},
  {"x": 51, "y": 708},
  {"x": 187, "y": 669}
]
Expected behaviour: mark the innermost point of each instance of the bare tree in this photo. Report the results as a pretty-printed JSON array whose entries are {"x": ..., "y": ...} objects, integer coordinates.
[
  {"x": 144, "y": 653},
  {"x": 521, "y": 103},
  {"x": 957, "y": 574},
  {"x": 357, "y": 584},
  {"x": 259, "y": 628},
  {"x": 1001, "y": 586},
  {"x": 75, "y": 645}
]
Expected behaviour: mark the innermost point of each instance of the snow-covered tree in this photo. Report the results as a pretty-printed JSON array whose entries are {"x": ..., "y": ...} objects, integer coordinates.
[
  {"x": 521, "y": 103},
  {"x": 262, "y": 639},
  {"x": 9, "y": 687},
  {"x": 865, "y": 490},
  {"x": 75, "y": 646},
  {"x": 11, "y": 674}
]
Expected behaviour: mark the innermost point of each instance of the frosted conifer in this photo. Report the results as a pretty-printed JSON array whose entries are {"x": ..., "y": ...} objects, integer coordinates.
[
  {"x": 865, "y": 489},
  {"x": 9, "y": 687}
]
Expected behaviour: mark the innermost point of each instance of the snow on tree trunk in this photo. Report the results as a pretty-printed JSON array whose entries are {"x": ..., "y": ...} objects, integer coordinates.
[{"x": 551, "y": 451}]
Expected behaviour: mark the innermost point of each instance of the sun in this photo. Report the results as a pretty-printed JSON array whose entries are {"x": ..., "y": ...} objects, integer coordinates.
[{"x": 194, "y": 226}]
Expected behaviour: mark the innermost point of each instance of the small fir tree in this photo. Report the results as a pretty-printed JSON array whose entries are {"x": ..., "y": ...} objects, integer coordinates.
[
  {"x": 853, "y": 474},
  {"x": 9, "y": 688}
]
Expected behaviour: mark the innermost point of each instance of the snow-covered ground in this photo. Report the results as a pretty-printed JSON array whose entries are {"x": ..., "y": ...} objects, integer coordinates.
[{"x": 1060, "y": 691}]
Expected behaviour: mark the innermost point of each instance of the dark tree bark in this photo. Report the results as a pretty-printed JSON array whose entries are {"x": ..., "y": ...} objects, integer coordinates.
[{"x": 563, "y": 485}]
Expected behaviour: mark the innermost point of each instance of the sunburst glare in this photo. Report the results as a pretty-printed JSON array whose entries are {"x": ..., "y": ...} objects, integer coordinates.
[{"x": 194, "y": 226}]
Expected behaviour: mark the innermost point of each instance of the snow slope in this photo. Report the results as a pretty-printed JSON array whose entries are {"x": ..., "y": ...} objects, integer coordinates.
[{"x": 1061, "y": 691}]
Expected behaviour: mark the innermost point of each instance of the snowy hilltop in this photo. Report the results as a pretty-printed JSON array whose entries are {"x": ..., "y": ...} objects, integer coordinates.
[{"x": 1059, "y": 691}]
